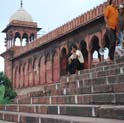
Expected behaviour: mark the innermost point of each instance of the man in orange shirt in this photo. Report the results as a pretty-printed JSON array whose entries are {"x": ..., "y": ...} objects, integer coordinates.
[{"x": 111, "y": 20}]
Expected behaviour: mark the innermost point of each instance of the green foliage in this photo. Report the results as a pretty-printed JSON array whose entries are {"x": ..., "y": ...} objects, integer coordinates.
[
  {"x": 6, "y": 91},
  {"x": 4, "y": 80},
  {"x": 2, "y": 92}
]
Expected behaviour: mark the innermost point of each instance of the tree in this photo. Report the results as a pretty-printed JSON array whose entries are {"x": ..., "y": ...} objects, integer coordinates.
[{"x": 6, "y": 91}]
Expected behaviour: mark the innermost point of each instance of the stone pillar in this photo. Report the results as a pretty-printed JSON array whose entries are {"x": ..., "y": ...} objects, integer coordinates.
[
  {"x": 49, "y": 71},
  {"x": 36, "y": 73},
  {"x": 42, "y": 71},
  {"x": 56, "y": 68},
  {"x": 13, "y": 42},
  {"x": 89, "y": 59},
  {"x": 10, "y": 43},
  {"x": 28, "y": 40}
]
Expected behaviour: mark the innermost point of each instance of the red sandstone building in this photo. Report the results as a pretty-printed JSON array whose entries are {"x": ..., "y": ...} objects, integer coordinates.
[{"x": 38, "y": 61}]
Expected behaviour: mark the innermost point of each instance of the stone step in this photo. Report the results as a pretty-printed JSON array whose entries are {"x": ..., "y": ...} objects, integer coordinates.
[
  {"x": 120, "y": 60},
  {"x": 103, "y": 67},
  {"x": 77, "y": 89},
  {"x": 1, "y": 121},
  {"x": 96, "y": 111},
  {"x": 88, "y": 85},
  {"x": 98, "y": 98},
  {"x": 107, "y": 63},
  {"x": 94, "y": 74},
  {"x": 80, "y": 80},
  {"x": 117, "y": 112},
  {"x": 73, "y": 110},
  {"x": 99, "y": 85},
  {"x": 88, "y": 82},
  {"x": 39, "y": 118}
]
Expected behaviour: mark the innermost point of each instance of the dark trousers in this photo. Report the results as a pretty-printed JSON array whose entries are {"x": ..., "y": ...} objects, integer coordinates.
[
  {"x": 111, "y": 40},
  {"x": 75, "y": 65}
]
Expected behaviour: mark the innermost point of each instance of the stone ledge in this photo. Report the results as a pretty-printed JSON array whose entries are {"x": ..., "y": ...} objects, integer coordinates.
[{"x": 60, "y": 119}]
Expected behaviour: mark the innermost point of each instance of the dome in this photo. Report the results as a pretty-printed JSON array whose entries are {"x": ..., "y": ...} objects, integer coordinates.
[{"x": 21, "y": 15}]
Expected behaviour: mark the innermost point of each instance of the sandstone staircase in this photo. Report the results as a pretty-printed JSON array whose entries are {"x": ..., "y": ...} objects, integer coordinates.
[{"x": 91, "y": 96}]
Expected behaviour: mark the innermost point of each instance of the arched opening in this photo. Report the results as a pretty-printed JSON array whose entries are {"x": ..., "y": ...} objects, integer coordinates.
[
  {"x": 96, "y": 57},
  {"x": 24, "y": 42},
  {"x": 106, "y": 52},
  {"x": 17, "y": 39},
  {"x": 32, "y": 37},
  {"x": 106, "y": 45},
  {"x": 63, "y": 61},
  {"x": 83, "y": 48},
  {"x": 24, "y": 39}
]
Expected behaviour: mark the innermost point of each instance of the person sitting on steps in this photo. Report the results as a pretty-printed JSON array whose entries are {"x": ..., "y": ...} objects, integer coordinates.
[{"x": 76, "y": 60}]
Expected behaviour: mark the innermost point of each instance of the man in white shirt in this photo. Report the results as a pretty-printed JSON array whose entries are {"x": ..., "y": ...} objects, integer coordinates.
[{"x": 76, "y": 60}]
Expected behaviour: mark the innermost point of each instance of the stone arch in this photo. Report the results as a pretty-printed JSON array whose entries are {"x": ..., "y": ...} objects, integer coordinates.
[
  {"x": 17, "y": 39},
  {"x": 48, "y": 63},
  {"x": 63, "y": 61},
  {"x": 106, "y": 44},
  {"x": 70, "y": 46},
  {"x": 95, "y": 46},
  {"x": 83, "y": 48},
  {"x": 32, "y": 37},
  {"x": 36, "y": 68},
  {"x": 24, "y": 39},
  {"x": 56, "y": 66},
  {"x": 42, "y": 70},
  {"x": 66, "y": 48}
]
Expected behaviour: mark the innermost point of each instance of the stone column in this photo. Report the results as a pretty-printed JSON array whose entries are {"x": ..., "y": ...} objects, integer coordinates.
[{"x": 89, "y": 59}]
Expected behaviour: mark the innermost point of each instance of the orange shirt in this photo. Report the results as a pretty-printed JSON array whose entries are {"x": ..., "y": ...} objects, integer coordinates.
[{"x": 111, "y": 14}]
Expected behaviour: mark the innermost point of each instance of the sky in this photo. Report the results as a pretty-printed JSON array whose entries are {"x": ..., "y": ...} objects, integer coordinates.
[{"x": 49, "y": 14}]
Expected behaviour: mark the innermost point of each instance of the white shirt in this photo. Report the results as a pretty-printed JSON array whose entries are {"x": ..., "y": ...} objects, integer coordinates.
[
  {"x": 80, "y": 56},
  {"x": 73, "y": 56}
]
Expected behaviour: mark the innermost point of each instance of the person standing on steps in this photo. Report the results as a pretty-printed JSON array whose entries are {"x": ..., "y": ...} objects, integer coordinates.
[
  {"x": 76, "y": 60},
  {"x": 120, "y": 43},
  {"x": 111, "y": 20},
  {"x": 120, "y": 24}
]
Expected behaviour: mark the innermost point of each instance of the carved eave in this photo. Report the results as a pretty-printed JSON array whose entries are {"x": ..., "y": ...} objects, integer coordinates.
[{"x": 21, "y": 24}]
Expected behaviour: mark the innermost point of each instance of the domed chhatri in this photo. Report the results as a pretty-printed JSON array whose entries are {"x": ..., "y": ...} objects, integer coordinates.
[
  {"x": 21, "y": 15},
  {"x": 21, "y": 29}
]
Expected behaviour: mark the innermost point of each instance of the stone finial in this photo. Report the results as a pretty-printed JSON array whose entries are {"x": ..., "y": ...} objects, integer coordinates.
[{"x": 21, "y": 4}]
